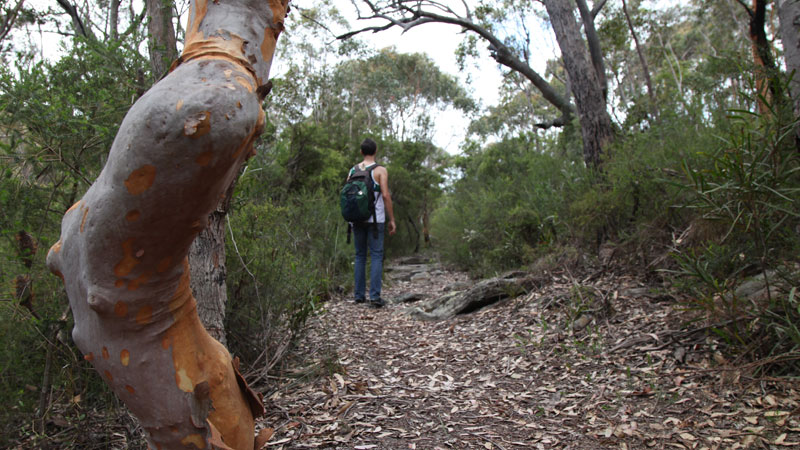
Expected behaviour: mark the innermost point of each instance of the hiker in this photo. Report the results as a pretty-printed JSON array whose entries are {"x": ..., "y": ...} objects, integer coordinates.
[{"x": 369, "y": 234}]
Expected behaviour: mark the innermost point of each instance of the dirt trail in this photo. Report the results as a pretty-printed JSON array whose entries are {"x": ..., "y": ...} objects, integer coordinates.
[{"x": 550, "y": 369}]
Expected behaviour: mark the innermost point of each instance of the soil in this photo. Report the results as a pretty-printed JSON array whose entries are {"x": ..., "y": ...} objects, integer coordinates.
[{"x": 604, "y": 361}]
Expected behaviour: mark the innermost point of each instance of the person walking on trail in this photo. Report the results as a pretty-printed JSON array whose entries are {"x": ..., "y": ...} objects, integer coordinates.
[{"x": 369, "y": 234}]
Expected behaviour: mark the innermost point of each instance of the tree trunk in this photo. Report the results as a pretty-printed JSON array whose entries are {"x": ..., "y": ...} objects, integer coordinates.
[
  {"x": 123, "y": 248},
  {"x": 594, "y": 45},
  {"x": 207, "y": 254},
  {"x": 163, "y": 48},
  {"x": 789, "y": 16},
  {"x": 642, "y": 58},
  {"x": 113, "y": 19},
  {"x": 596, "y": 127},
  {"x": 768, "y": 89},
  {"x": 207, "y": 263}
]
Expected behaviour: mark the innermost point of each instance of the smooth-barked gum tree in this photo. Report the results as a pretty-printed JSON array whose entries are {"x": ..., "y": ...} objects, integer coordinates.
[{"x": 123, "y": 248}]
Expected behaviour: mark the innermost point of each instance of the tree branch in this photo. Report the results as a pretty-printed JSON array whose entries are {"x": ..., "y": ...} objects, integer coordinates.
[
  {"x": 70, "y": 9},
  {"x": 9, "y": 19},
  {"x": 597, "y": 8},
  {"x": 414, "y": 16}
]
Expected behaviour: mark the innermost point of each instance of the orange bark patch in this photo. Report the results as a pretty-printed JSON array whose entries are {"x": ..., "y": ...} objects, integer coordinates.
[
  {"x": 89, "y": 356},
  {"x": 179, "y": 105},
  {"x": 246, "y": 83},
  {"x": 125, "y": 357},
  {"x": 140, "y": 280},
  {"x": 83, "y": 221},
  {"x": 121, "y": 308},
  {"x": 108, "y": 375},
  {"x": 204, "y": 158},
  {"x": 194, "y": 439},
  {"x": 133, "y": 216},
  {"x": 164, "y": 264},
  {"x": 144, "y": 315},
  {"x": 128, "y": 261},
  {"x": 166, "y": 342},
  {"x": 119, "y": 283},
  {"x": 56, "y": 247},
  {"x": 78, "y": 203},
  {"x": 130, "y": 389},
  {"x": 141, "y": 179},
  {"x": 197, "y": 125},
  {"x": 105, "y": 353}
]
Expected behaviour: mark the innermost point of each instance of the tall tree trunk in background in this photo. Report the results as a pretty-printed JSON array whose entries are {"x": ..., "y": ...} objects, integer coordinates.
[
  {"x": 113, "y": 19},
  {"x": 593, "y": 41},
  {"x": 642, "y": 59},
  {"x": 596, "y": 127},
  {"x": 768, "y": 89},
  {"x": 123, "y": 249},
  {"x": 163, "y": 47},
  {"x": 789, "y": 16}
]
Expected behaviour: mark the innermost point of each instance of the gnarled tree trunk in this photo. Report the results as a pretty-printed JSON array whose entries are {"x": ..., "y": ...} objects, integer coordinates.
[
  {"x": 596, "y": 128},
  {"x": 124, "y": 245}
]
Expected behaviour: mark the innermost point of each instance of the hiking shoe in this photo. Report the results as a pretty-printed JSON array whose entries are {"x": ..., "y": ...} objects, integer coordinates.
[
  {"x": 379, "y": 303},
  {"x": 360, "y": 300}
]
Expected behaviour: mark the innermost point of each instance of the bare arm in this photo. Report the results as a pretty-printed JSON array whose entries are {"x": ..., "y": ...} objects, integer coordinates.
[{"x": 382, "y": 177}]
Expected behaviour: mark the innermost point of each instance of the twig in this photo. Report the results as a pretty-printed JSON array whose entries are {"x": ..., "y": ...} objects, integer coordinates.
[{"x": 236, "y": 248}]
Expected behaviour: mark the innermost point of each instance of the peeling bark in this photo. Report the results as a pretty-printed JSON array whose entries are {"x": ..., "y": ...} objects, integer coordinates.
[{"x": 123, "y": 248}]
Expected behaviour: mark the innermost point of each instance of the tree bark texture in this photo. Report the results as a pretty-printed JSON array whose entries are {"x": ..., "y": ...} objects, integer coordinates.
[
  {"x": 123, "y": 248},
  {"x": 482, "y": 294},
  {"x": 642, "y": 58},
  {"x": 595, "y": 50},
  {"x": 789, "y": 16},
  {"x": 596, "y": 128},
  {"x": 163, "y": 48},
  {"x": 207, "y": 263},
  {"x": 762, "y": 57},
  {"x": 113, "y": 19}
]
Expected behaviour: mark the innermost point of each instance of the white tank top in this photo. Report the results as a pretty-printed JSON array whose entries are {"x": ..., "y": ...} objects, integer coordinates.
[{"x": 380, "y": 208}]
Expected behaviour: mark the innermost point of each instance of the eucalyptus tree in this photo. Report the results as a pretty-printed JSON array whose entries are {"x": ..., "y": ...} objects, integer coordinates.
[{"x": 123, "y": 248}]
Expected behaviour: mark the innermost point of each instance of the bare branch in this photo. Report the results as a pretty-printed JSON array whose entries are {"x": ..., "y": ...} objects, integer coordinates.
[
  {"x": 597, "y": 8},
  {"x": 77, "y": 22},
  {"x": 555, "y": 123},
  {"x": 8, "y": 21},
  {"x": 746, "y": 8},
  {"x": 414, "y": 16}
]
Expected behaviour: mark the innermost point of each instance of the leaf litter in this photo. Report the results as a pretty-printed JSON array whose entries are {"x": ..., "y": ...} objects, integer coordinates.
[{"x": 603, "y": 362}]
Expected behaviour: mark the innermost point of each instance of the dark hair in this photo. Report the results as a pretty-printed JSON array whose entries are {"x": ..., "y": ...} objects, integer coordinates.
[{"x": 368, "y": 147}]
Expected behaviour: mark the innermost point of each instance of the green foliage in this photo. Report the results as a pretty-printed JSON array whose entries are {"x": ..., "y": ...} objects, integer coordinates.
[
  {"x": 284, "y": 260},
  {"x": 748, "y": 187},
  {"x": 508, "y": 202},
  {"x": 57, "y": 122}
]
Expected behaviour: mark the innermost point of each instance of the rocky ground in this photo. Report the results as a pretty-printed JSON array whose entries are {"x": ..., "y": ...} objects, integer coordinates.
[{"x": 602, "y": 361}]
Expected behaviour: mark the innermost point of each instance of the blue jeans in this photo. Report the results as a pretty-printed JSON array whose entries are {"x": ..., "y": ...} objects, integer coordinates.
[{"x": 364, "y": 237}]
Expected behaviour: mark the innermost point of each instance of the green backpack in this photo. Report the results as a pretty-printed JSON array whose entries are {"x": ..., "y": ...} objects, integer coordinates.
[{"x": 357, "y": 197}]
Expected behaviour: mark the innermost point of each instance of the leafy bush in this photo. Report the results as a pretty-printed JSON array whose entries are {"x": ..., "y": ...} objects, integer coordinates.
[
  {"x": 748, "y": 187},
  {"x": 283, "y": 260}
]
